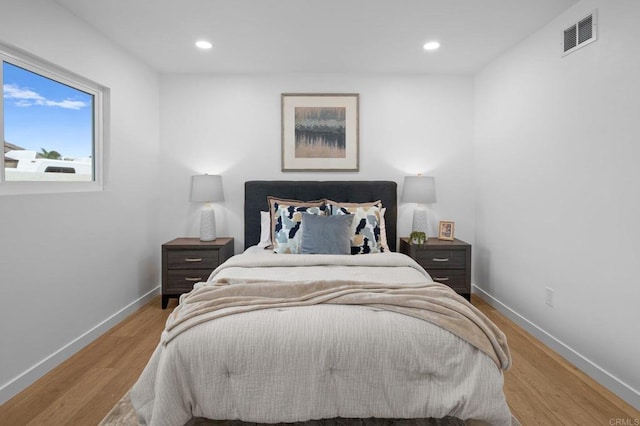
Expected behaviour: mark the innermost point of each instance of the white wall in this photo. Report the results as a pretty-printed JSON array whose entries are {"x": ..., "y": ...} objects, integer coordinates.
[
  {"x": 557, "y": 184},
  {"x": 70, "y": 262},
  {"x": 230, "y": 125}
]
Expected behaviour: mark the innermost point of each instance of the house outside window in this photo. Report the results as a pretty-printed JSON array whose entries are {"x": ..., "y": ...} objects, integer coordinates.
[{"x": 51, "y": 121}]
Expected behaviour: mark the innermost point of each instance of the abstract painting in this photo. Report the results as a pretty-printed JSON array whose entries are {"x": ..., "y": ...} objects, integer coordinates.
[{"x": 319, "y": 132}]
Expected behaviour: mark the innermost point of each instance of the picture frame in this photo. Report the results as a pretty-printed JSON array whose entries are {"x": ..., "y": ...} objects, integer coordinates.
[
  {"x": 446, "y": 230},
  {"x": 320, "y": 132}
]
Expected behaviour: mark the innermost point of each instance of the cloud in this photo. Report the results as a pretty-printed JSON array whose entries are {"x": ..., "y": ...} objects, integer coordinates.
[
  {"x": 25, "y": 98},
  {"x": 67, "y": 103},
  {"x": 12, "y": 91}
]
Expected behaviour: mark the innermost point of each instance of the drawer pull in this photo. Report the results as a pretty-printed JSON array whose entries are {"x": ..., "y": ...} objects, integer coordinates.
[
  {"x": 193, "y": 279},
  {"x": 441, "y": 279},
  {"x": 438, "y": 259},
  {"x": 193, "y": 259}
]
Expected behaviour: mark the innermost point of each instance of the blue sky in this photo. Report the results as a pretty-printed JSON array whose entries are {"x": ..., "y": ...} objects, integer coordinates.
[{"x": 42, "y": 113}]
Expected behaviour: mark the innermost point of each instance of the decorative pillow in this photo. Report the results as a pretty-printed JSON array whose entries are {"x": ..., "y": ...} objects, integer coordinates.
[
  {"x": 326, "y": 234},
  {"x": 365, "y": 228},
  {"x": 286, "y": 216},
  {"x": 265, "y": 230}
]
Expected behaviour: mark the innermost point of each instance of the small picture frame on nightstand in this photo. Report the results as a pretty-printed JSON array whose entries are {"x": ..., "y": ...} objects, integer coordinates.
[{"x": 446, "y": 230}]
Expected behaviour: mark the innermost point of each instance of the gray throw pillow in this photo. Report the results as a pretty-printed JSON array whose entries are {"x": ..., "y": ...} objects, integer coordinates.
[{"x": 326, "y": 234}]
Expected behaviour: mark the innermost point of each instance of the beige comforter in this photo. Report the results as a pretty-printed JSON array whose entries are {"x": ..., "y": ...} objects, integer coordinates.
[
  {"x": 431, "y": 302},
  {"x": 294, "y": 351}
]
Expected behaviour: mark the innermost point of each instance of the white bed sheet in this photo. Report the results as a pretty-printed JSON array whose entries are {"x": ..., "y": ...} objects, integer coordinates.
[{"x": 341, "y": 268}]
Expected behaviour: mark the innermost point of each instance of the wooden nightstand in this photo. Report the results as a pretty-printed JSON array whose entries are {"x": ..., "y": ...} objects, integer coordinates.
[
  {"x": 186, "y": 261},
  {"x": 448, "y": 262}
]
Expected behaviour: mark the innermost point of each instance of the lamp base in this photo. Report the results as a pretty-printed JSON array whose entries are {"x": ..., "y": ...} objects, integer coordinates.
[
  {"x": 207, "y": 224},
  {"x": 420, "y": 221}
]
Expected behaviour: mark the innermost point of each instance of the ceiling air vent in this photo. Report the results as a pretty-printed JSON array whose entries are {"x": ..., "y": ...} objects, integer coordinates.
[{"x": 580, "y": 34}]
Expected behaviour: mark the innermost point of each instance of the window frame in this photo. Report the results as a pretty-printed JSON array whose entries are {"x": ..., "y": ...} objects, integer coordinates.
[{"x": 100, "y": 95}]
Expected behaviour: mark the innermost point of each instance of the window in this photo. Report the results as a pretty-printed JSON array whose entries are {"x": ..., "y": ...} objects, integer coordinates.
[{"x": 51, "y": 122}]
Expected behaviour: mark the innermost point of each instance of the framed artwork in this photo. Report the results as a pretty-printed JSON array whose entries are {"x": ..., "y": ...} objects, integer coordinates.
[
  {"x": 446, "y": 231},
  {"x": 319, "y": 132}
]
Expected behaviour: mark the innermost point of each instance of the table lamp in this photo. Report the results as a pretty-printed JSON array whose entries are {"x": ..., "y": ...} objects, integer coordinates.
[
  {"x": 421, "y": 190},
  {"x": 206, "y": 189}
]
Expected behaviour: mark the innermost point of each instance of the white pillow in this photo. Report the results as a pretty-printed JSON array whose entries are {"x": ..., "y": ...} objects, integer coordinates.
[
  {"x": 265, "y": 230},
  {"x": 383, "y": 231}
]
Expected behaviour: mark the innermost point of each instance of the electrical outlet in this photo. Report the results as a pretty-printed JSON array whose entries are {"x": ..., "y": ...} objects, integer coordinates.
[{"x": 548, "y": 296}]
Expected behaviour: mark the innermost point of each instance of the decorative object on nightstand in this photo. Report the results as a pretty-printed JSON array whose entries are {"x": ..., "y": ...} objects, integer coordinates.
[
  {"x": 187, "y": 261},
  {"x": 417, "y": 237},
  {"x": 205, "y": 189},
  {"x": 446, "y": 230},
  {"x": 421, "y": 190},
  {"x": 448, "y": 262}
]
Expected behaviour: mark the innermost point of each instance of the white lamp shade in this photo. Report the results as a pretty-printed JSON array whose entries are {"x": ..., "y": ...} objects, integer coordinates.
[
  {"x": 419, "y": 189},
  {"x": 206, "y": 188}
]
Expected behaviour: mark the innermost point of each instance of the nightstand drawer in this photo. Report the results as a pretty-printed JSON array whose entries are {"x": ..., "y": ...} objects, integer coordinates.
[
  {"x": 441, "y": 259},
  {"x": 181, "y": 281},
  {"x": 192, "y": 259},
  {"x": 187, "y": 261},
  {"x": 454, "y": 278},
  {"x": 447, "y": 262}
]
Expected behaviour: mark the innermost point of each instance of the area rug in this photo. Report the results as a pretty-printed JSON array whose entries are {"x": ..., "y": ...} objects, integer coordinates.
[{"x": 123, "y": 414}]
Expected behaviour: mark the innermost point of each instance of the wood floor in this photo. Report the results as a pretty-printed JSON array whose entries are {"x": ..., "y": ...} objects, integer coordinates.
[{"x": 541, "y": 387}]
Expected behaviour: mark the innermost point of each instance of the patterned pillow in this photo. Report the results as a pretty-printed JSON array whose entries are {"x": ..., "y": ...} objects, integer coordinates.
[
  {"x": 286, "y": 218},
  {"x": 366, "y": 236}
]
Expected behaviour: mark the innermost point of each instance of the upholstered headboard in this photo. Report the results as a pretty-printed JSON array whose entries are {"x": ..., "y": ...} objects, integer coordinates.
[{"x": 257, "y": 191}]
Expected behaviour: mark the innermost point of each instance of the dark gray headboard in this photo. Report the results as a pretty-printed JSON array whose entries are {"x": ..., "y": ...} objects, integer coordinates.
[{"x": 257, "y": 191}]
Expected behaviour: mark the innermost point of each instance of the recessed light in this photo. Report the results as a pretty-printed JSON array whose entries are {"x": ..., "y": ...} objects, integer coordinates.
[
  {"x": 431, "y": 45},
  {"x": 203, "y": 44}
]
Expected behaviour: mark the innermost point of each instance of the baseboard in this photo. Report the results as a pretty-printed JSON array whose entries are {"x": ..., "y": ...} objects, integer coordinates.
[
  {"x": 599, "y": 374},
  {"x": 28, "y": 377}
]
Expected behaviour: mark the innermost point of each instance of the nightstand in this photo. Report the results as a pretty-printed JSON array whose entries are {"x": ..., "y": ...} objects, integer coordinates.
[
  {"x": 186, "y": 261},
  {"x": 448, "y": 262}
]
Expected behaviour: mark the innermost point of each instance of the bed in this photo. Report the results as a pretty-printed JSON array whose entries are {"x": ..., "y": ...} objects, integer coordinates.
[{"x": 275, "y": 338}]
